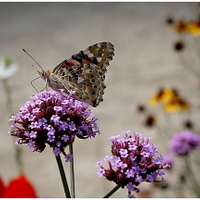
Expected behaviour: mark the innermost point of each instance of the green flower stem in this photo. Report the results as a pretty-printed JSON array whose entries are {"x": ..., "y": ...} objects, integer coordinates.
[
  {"x": 18, "y": 151},
  {"x": 18, "y": 157},
  {"x": 112, "y": 191},
  {"x": 72, "y": 174},
  {"x": 63, "y": 177},
  {"x": 7, "y": 91}
]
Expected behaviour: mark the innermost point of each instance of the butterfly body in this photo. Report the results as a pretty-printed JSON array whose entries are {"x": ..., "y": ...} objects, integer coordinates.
[{"x": 83, "y": 73}]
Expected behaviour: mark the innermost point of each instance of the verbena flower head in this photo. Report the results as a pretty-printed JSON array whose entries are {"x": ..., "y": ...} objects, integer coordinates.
[
  {"x": 184, "y": 142},
  {"x": 54, "y": 119},
  {"x": 133, "y": 161}
]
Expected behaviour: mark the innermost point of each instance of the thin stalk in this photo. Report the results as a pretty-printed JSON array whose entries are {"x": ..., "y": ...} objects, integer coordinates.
[
  {"x": 7, "y": 91},
  {"x": 195, "y": 184},
  {"x": 112, "y": 191},
  {"x": 9, "y": 104},
  {"x": 18, "y": 157},
  {"x": 72, "y": 174},
  {"x": 63, "y": 177}
]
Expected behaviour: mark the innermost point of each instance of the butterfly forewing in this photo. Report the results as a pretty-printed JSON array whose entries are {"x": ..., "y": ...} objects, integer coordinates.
[{"x": 83, "y": 73}]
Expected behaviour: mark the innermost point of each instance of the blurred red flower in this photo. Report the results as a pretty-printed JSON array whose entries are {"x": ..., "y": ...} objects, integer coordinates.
[{"x": 19, "y": 187}]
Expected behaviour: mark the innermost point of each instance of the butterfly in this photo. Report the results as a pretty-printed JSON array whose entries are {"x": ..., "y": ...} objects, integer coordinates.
[{"x": 83, "y": 73}]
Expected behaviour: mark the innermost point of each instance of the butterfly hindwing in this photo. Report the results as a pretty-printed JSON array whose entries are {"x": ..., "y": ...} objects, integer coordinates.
[{"x": 86, "y": 80}]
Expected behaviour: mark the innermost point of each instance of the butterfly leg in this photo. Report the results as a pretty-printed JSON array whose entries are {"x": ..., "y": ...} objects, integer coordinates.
[
  {"x": 33, "y": 85},
  {"x": 45, "y": 87}
]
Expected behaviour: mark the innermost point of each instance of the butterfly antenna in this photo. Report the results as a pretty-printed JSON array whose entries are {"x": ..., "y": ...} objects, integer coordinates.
[{"x": 33, "y": 60}]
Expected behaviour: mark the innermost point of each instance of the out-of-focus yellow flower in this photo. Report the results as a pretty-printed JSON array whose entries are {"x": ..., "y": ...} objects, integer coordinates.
[
  {"x": 170, "y": 99},
  {"x": 163, "y": 96},
  {"x": 194, "y": 28},
  {"x": 181, "y": 26},
  {"x": 176, "y": 104}
]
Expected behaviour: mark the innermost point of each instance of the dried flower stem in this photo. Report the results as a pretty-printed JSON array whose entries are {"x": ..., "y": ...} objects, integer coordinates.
[
  {"x": 112, "y": 191},
  {"x": 63, "y": 177},
  {"x": 72, "y": 174}
]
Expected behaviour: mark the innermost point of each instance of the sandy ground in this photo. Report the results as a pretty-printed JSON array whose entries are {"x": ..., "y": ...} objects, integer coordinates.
[{"x": 51, "y": 32}]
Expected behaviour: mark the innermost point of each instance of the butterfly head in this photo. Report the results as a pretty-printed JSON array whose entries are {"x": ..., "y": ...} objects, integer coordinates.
[{"x": 44, "y": 74}]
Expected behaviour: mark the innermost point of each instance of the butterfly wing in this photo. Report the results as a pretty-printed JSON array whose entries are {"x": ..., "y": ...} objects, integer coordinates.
[
  {"x": 84, "y": 72},
  {"x": 85, "y": 80},
  {"x": 99, "y": 54}
]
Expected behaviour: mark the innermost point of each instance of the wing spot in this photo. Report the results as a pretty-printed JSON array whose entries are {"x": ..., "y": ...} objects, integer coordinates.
[
  {"x": 99, "y": 59},
  {"x": 93, "y": 80},
  {"x": 93, "y": 92}
]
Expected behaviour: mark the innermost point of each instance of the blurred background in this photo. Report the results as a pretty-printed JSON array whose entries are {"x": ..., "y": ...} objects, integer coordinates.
[{"x": 145, "y": 60}]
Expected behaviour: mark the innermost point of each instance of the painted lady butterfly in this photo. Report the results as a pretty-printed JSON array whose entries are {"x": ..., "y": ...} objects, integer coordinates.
[{"x": 83, "y": 73}]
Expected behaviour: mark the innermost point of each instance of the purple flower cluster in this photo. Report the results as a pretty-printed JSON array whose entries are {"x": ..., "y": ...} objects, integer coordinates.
[
  {"x": 133, "y": 161},
  {"x": 184, "y": 142},
  {"x": 55, "y": 119}
]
